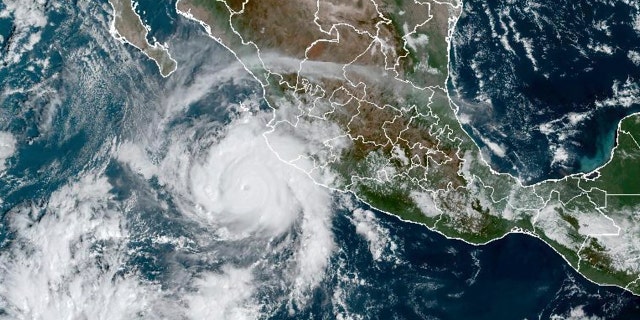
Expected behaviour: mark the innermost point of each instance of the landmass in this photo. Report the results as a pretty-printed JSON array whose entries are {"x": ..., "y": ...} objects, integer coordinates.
[
  {"x": 127, "y": 27},
  {"x": 364, "y": 82}
]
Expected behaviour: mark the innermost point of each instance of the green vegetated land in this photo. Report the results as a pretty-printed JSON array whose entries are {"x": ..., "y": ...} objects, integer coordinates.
[
  {"x": 472, "y": 203},
  {"x": 622, "y": 174}
]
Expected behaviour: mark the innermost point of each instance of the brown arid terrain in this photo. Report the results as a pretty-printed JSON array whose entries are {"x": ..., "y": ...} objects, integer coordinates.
[
  {"x": 377, "y": 71},
  {"x": 353, "y": 66},
  {"x": 359, "y": 38},
  {"x": 128, "y": 27}
]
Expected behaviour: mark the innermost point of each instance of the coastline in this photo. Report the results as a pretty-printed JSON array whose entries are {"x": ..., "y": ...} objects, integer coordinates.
[
  {"x": 157, "y": 52},
  {"x": 435, "y": 229}
]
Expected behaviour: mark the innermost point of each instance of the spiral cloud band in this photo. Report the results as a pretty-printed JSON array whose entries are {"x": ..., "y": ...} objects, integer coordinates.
[{"x": 243, "y": 185}]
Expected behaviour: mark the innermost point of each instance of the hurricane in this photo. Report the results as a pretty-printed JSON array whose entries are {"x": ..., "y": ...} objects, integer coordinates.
[
  {"x": 226, "y": 179},
  {"x": 130, "y": 194},
  {"x": 243, "y": 184}
]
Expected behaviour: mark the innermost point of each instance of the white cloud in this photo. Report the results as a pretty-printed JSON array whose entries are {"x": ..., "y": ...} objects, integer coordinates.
[
  {"x": 576, "y": 313},
  {"x": 7, "y": 148},
  {"x": 601, "y": 48},
  {"x": 634, "y": 56},
  {"x": 625, "y": 94},
  {"x": 495, "y": 148},
  {"x": 636, "y": 22},
  {"x": 236, "y": 186},
  {"x": 424, "y": 201},
  {"x": 376, "y": 235},
  {"x": 225, "y": 295},
  {"x": 28, "y": 18},
  {"x": 244, "y": 186},
  {"x": 575, "y": 118},
  {"x": 64, "y": 265},
  {"x": 560, "y": 155}
]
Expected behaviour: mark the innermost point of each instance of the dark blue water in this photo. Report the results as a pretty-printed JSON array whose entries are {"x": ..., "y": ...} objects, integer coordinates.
[
  {"x": 420, "y": 275},
  {"x": 518, "y": 277},
  {"x": 519, "y": 65},
  {"x": 60, "y": 115},
  {"x": 160, "y": 16}
]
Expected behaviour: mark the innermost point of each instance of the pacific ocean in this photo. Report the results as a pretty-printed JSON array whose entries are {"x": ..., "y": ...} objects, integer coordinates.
[{"x": 96, "y": 91}]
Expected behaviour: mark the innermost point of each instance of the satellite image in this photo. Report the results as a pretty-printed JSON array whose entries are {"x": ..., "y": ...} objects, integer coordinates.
[{"x": 320, "y": 159}]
